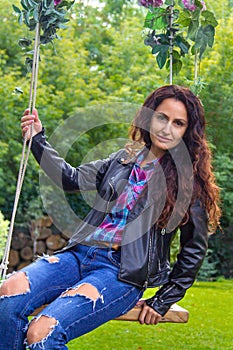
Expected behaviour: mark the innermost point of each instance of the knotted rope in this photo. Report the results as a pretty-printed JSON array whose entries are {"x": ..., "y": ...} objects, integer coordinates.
[{"x": 25, "y": 151}]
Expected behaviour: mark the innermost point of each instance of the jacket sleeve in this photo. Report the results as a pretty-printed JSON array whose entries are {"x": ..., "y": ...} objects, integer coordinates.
[
  {"x": 193, "y": 247},
  {"x": 85, "y": 177}
]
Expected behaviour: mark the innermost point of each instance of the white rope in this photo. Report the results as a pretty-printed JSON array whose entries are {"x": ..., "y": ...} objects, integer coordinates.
[{"x": 25, "y": 155}]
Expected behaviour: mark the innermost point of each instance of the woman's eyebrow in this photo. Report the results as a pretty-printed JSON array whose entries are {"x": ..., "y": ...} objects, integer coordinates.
[
  {"x": 167, "y": 117},
  {"x": 161, "y": 113},
  {"x": 181, "y": 119}
]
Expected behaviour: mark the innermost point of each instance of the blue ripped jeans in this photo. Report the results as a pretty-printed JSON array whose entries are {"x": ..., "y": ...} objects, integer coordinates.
[{"x": 75, "y": 314}]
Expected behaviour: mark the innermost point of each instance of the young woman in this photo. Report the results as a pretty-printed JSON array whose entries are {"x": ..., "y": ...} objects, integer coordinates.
[{"x": 122, "y": 247}]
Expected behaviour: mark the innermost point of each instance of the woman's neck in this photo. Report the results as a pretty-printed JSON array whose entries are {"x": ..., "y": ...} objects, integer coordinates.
[{"x": 150, "y": 157}]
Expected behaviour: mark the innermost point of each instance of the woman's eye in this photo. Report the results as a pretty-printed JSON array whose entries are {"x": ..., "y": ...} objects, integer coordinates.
[
  {"x": 161, "y": 117},
  {"x": 179, "y": 123}
]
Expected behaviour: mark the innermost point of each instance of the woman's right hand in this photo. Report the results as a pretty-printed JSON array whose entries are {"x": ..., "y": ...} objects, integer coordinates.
[{"x": 27, "y": 120}]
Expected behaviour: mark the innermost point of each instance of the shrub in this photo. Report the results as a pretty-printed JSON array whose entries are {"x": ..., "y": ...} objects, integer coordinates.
[{"x": 3, "y": 233}]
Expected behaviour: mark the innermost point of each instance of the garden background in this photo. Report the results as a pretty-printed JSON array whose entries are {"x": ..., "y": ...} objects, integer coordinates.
[{"x": 101, "y": 58}]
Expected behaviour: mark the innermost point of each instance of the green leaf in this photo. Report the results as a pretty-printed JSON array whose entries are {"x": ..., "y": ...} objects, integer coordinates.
[
  {"x": 20, "y": 19},
  {"x": 32, "y": 3},
  {"x": 164, "y": 38},
  {"x": 162, "y": 56},
  {"x": 150, "y": 40},
  {"x": 28, "y": 4},
  {"x": 209, "y": 18},
  {"x": 176, "y": 62},
  {"x": 201, "y": 40},
  {"x": 32, "y": 24},
  {"x": 161, "y": 59},
  {"x": 49, "y": 12},
  {"x": 36, "y": 14},
  {"x": 182, "y": 44},
  {"x": 148, "y": 23},
  {"x": 184, "y": 19},
  {"x": 156, "y": 20},
  {"x": 24, "y": 42},
  {"x": 24, "y": 4},
  {"x": 30, "y": 52},
  {"x": 62, "y": 26},
  {"x": 209, "y": 32},
  {"x": 156, "y": 49},
  {"x": 27, "y": 18},
  {"x": 16, "y": 9},
  {"x": 29, "y": 63},
  {"x": 193, "y": 28},
  {"x": 204, "y": 37},
  {"x": 176, "y": 66},
  {"x": 48, "y": 4},
  {"x": 65, "y": 20},
  {"x": 160, "y": 23},
  {"x": 67, "y": 4},
  {"x": 193, "y": 50},
  {"x": 196, "y": 14},
  {"x": 176, "y": 55},
  {"x": 18, "y": 90}
]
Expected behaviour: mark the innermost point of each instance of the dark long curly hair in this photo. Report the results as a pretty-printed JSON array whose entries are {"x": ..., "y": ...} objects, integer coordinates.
[{"x": 204, "y": 186}]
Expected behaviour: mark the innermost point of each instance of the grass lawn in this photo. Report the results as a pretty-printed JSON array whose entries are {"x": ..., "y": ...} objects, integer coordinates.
[{"x": 209, "y": 328}]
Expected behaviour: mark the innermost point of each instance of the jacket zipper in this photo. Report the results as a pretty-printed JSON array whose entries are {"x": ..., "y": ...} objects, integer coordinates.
[
  {"x": 148, "y": 265},
  {"x": 166, "y": 292},
  {"x": 110, "y": 198},
  {"x": 163, "y": 231}
]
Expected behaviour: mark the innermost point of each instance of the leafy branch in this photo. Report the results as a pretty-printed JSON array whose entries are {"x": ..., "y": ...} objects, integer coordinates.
[
  {"x": 49, "y": 14},
  {"x": 192, "y": 30}
]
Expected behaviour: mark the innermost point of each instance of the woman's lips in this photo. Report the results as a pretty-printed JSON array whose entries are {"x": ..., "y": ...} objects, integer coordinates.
[{"x": 163, "y": 139}]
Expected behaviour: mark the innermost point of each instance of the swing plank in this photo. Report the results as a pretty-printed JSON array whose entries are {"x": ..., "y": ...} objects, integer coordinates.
[{"x": 176, "y": 314}]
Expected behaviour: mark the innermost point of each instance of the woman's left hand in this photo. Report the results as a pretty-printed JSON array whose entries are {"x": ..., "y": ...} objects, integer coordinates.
[{"x": 148, "y": 315}]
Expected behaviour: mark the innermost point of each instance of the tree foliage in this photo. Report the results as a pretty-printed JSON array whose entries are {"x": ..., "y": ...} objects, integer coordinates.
[
  {"x": 101, "y": 58},
  {"x": 176, "y": 28},
  {"x": 3, "y": 233}
]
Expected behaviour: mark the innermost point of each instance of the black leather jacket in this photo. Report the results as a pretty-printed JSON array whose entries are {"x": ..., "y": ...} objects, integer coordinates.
[{"x": 145, "y": 247}]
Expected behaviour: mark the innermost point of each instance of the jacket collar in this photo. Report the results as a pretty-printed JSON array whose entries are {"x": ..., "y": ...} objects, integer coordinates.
[{"x": 127, "y": 160}]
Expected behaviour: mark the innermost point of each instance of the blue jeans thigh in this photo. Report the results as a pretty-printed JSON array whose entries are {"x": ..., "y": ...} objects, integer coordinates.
[
  {"x": 46, "y": 282},
  {"x": 78, "y": 314}
]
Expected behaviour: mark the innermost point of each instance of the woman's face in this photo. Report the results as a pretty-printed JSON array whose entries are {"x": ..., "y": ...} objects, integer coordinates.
[{"x": 168, "y": 125}]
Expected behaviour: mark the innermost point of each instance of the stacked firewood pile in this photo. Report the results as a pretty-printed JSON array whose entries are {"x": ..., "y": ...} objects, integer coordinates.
[{"x": 42, "y": 237}]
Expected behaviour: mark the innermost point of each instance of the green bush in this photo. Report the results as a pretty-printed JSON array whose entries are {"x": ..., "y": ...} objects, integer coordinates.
[
  {"x": 223, "y": 166},
  {"x": 3, "y": 233}
]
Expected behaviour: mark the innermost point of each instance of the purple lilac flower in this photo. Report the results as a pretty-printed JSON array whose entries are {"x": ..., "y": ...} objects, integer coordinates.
[
  {"x": 189, "y": 5},
  {"x": 57, "y": 2},
  {"x": 153, "y": 3},
  {"x": 203, "y": 5}
]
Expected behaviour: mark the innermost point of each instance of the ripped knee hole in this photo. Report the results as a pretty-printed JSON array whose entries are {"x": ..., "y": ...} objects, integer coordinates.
[
  {"x": 85, "y": 289},
  {"x": 40, "y": 328},
  {"x": 16, "y": 284},
  {"x": 52, "y": 259}
]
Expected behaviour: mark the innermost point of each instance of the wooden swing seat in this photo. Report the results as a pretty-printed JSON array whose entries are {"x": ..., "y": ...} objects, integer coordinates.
[{"x": 176, "y": 314}]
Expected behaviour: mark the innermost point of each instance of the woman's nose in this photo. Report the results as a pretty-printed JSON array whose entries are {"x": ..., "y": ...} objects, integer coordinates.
[{"x": 167, "y": 128}]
